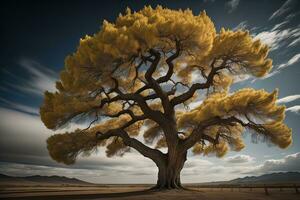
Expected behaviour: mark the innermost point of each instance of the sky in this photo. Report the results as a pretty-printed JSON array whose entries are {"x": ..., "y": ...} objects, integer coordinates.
[{"x": 36, "y": 36}]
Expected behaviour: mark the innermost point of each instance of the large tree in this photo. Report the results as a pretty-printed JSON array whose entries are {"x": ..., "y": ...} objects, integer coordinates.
[{"x": 141, "y": 74}]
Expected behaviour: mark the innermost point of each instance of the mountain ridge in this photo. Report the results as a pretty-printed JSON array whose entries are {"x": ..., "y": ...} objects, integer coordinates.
[
  {"x": 271, "y": 178},
  {"x": 274, "y": 178},
  {"x": 41, "y": 180}
]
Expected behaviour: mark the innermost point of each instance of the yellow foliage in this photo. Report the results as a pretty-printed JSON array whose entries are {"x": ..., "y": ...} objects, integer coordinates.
[
  {"x": 135, "y": 128},
  {"x": 109, "y": 124},
  {"x": 116, "y": 147},
  {"x": 58, "y": 108},
  {"x": 161, "y": 143},
  {"x": 258, "y": 103},
  {"x": 280, "y": 133},
  {"x": 219, "y": 149},
  {"x": 151, "y": 133},
  {"x": 245, "y": 54},
  {"x": 234, "y": 141},
  {"x": 241, "y": 52},
  {"x": 108, "y": 55},
  {"x": 132, "y": 34},
  {"x": 66, "y": 147}
]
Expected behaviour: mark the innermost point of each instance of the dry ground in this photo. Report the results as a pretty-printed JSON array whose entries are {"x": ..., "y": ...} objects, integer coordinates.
[{"x": 140, "y": 192}]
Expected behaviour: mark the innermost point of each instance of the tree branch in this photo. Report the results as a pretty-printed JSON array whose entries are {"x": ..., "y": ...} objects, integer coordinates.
[
  {"x": 169, "y": 61},
  {"x": 197, "y": 133},
  {"x": 157, "y": 156},
  {"x": 169, "y": 111},
  {"x": 198, "y": 86}
]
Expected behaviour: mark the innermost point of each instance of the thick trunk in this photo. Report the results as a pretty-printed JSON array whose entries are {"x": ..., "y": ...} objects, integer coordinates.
[{"x": 169, "y": 173}]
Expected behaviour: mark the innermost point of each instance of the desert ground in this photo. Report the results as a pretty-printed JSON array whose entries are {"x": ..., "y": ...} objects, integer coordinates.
[{"x": 134, "y": 192}]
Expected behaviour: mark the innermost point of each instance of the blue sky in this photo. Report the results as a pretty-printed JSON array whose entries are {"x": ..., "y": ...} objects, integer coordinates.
[{"x": 36, "y": 37}]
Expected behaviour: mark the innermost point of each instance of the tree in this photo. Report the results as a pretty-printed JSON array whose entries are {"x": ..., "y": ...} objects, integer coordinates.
[{"x": 145, "y": 70}]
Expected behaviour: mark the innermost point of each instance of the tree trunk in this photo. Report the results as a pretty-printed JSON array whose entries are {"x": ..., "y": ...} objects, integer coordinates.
[{"x": 169, "y": 172}]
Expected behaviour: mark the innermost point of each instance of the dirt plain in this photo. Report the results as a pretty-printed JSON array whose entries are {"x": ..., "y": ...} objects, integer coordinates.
[{"x": 141, "y": 192}]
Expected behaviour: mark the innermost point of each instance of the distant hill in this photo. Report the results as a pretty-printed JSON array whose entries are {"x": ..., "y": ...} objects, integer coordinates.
[
  {"x": 281, "y": 177},
  {"x": 40, "y": 180},
  {"x": 273, "y": 178}
]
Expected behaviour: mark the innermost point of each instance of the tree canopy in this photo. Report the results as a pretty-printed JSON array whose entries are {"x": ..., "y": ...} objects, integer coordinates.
[{"x": 141, "y": 74}]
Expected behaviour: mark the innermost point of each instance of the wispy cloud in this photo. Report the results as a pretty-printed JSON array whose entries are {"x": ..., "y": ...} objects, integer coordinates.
[
  {"x": 243, "y": 25},
  {"x": 292, "y": 15},
  {"x": 294, "y": 109},
  {"x": 290, "y": 62},
  {"x": 295, "y": 42},
  {"x": 288, "y": 99},
  {"x": 239, "y": 159},
  {"x": 40, "y": 78},
  {"x": 232, "y": 5},
  {"x": 287, "y": 6},
  {"x": 277, "y": 37},
  {"x": 20, "y": 107}
]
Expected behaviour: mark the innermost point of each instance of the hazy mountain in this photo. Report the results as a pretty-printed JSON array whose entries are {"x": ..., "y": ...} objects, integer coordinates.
[
  {"x": 273, "y": 178},
  {"x": 40, "y": 180},
  {"x": 281, "y": 177}
]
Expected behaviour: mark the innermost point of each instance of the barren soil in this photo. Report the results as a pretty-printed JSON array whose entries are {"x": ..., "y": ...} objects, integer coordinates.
[{"x": 134, "y": 192}]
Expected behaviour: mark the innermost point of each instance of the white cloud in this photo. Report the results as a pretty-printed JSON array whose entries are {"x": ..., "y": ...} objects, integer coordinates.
[
  {"x": 40, "y": 78},
  {"x": 195, "y": 104},
  {"x": 119, "y": 172},
  {"x": 20, "y": 107},
  {"x": 288, "y": 99},
  {"x": 241, "y": 78},
  {"x": 294, "y": 109},
  {"x": 292, "y": 15},
  {"x": 277, "y": 37},
  {"x": 280, "y": 25},
  {"x": 22, "y": 134},
  {"x": 243, "y": 25},
  {"x": 293, "y": 60},
  {"x": 288, "y": 163},
  {"x": 239, "y": 159},
  {"x": 283, "y": 9},
  {"x": 232, "y": 5},
  {"x": 294, "y": 42}
]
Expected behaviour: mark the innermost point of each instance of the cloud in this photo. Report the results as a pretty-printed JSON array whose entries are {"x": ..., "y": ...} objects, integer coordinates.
[
  {"x": 23, "y": 149},
  {"x": 243, "y": 25},
  {"x": 232, "y": 5},
  {"x": 291, "y": 61},
  {"x": 278, "y": 37},
  {"x": 239, "y": 159},
  {"x": 20, "y": 107},
  {"x": 288, "y": 163},
  {"x": 288, "y": 99},
  {"x": 40, "y": 78},
  {"x": 292, "y": 15},
  {"x": 287, "y": 6},
  {"x": 294, "y": 109},
  {"x": 22, "y": 134},
  {"x": 294, "y": 42},
  {"x": 280, "y": 25}
]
